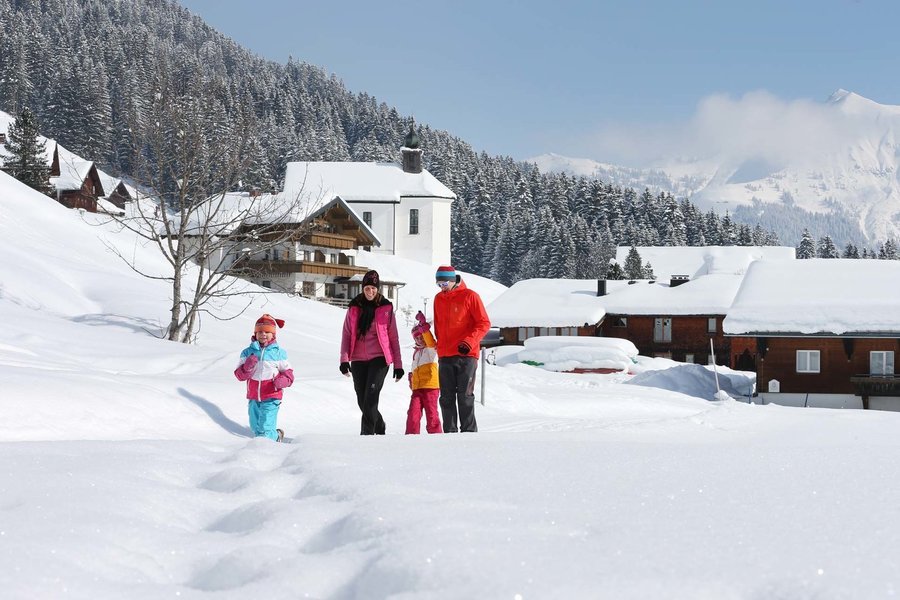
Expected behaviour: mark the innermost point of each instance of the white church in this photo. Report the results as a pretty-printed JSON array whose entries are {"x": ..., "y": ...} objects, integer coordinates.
[{"x": 406, "y": 207}]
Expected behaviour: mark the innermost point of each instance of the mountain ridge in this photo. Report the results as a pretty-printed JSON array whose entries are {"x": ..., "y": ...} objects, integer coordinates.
[{"x": 853, "y": 172}]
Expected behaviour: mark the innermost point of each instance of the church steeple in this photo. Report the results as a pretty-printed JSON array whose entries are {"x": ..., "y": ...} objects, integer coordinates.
[{"x": 412, "y": 155}]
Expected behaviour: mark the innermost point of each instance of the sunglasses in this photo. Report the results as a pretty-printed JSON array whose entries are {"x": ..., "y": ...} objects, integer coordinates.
[{"x": 443, "y": 284}]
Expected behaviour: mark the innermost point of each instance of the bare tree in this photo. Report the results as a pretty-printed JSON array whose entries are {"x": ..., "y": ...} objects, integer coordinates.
[{"x": 190, "y": 159}]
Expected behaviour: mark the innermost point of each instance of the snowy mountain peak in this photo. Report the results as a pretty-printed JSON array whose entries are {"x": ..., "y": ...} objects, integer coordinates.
[
  {"x": 839, "y": 158},
  {"x": 854, "y": 104}
]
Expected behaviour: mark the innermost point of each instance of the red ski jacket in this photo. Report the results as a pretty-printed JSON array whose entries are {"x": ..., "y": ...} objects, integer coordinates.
[{"x": 459, "y": 316}]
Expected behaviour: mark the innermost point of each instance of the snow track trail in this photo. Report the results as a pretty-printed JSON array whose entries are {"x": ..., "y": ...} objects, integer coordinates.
[{"x": 242, "y": 521}]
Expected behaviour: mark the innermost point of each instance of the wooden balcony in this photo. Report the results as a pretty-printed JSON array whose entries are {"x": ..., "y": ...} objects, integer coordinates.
[
  {"x": 296, "y": 266},
  {"x": 875, "y": 385},
  {"x": 325, "y": 239}
]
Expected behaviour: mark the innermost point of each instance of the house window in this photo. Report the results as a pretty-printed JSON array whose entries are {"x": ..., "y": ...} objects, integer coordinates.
[
  {"x": 414, "y": 221},
  {"x": 620, "y": 322},
  {"x": 390, "y": 292},
  {"x": 544, "y": 331},
  {"x": 276, "y": 254},
  {"x": 529, "y": 333},
  {"x": 330, "y": 290},
  {"x": 266, "y": 283},
  {"x": 807, "y": 361},
  {"x": 712, "y": 325},
  {"x": 521, "y": 334},
  {"x": 309, "y": 289},
  {"x": 367, "y": 217},
  {"x": 881, "y": 363},
  {"x": 662, "y": 329}
]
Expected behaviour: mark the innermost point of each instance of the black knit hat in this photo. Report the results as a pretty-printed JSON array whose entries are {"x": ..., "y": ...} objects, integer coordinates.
[{"x": 371, "y": 278}]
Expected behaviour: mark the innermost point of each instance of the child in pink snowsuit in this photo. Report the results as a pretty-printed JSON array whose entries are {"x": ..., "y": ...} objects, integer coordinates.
[{"x": 423, "y": 381}]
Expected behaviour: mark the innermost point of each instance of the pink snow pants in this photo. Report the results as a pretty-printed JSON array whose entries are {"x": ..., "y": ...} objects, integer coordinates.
[{"x": 426, "y": 400}]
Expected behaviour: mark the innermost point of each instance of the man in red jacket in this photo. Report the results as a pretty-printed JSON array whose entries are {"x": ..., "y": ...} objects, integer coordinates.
[{"x": 460, "y": 322}]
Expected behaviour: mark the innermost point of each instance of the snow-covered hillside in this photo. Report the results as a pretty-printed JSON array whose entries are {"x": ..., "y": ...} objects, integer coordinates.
[
  {"x": 855, "y": 168},
  {"x": 126, "y": 470}
]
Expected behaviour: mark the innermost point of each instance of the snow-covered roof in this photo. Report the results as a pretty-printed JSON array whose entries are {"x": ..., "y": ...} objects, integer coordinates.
[
  {"x": 72, "y": 174},
  {"x": 705, "y": 295},
  {"x": 233, "y": 209},
  {"x": 547, "y": 303},
  {"x": 703, "y": 260},
  {"x": 827, "y": 296},
  {"x": 574, "y": 302},
  {"x": 110, "y": 184},
  {"x": 362, "y": 181}
]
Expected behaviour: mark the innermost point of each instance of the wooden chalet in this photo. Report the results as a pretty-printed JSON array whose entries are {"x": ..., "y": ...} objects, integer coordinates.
[
  {"x": 317, "y": 260},
  {"x": 675, "y": 319},
  {"x": 117, "y": 193},
  {"x": 680, "y": 319},
  {"x": 820, "y": 332},
  {"x": 77, "y": 182}
]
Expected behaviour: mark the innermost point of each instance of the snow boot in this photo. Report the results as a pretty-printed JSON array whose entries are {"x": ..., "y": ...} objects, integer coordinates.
[{"x": 280, "y": 435}]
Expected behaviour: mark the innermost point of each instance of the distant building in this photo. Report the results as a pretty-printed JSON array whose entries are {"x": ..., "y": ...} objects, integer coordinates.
[
  {"x": 77, "y": 182},
  {"x": 820, "y": 332},
  {"x": 674, "y": 319},
  {"x": 317, "y": 262},
  {"x": 406, "y": 207}
]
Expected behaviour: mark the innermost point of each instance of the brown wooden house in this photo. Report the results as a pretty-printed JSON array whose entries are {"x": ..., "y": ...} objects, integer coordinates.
[
  {"x": 820, "y": 332},
  {"x": 117, "y": 193},
  {"x": 77, "y": 182},
  {"x": 316, "y": 261},
  {"x": 675, "y": 319}
]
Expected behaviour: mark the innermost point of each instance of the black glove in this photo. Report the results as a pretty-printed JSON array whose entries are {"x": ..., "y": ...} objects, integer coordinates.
[
  {"x": 398, "y": 374},
  {"x": 463, "y": 348},
  {"x": 345, "y": 368}
]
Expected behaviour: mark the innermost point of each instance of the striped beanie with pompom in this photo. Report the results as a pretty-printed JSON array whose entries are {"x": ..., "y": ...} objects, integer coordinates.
[{"x": 267, "y": 323}]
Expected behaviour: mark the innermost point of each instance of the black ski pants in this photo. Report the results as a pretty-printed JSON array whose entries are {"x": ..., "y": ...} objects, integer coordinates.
[
  {"x": 368, "y": 378},
  {"x": 457, "y": 376}
]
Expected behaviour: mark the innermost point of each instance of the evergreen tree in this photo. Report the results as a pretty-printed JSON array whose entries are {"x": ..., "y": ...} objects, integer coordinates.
[
  {"x": 615, "y": 271},
  {"x": 826, "y": 248},
  {"x": 27, "y": 159},
  {"x": 850, "y": 251},
  {"x": 562, "y": 264},
  {"x": 505, "y": 263},
  {"x": 807, "y": 247},
  {"x": 465, "y": 244},
  {"x": 633, "y": 266}
]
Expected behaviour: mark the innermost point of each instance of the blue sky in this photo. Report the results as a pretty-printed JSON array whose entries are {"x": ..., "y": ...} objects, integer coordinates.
[{"x": 578, "y": 78}]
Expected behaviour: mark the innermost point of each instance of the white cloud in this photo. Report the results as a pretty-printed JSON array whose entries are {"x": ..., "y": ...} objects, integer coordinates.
[{"x": 756, "y": 126}]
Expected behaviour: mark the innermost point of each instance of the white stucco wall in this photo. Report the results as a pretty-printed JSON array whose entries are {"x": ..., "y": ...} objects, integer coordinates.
[
  {"x": 390, "y": 222},
  {"x": 382, "y": 222},
  {"x": 431, "y": 245}
]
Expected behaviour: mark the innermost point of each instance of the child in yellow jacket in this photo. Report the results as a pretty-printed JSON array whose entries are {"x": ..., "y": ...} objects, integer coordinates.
[{"x": 423, "y": 381}]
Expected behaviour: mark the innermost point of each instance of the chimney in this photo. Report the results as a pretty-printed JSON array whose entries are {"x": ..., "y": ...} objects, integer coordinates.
[
  {"x": 601, "y": 287},
  {"x": 412, "y": 155},
  {"x": 677, "y": 280}
]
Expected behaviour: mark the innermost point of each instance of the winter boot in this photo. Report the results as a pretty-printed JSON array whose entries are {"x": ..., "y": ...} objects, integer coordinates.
[{"x": 280, "y": 435}]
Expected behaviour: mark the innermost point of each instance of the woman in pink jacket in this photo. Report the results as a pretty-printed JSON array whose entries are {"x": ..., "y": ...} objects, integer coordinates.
[{"x": 368, "y": 345}]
